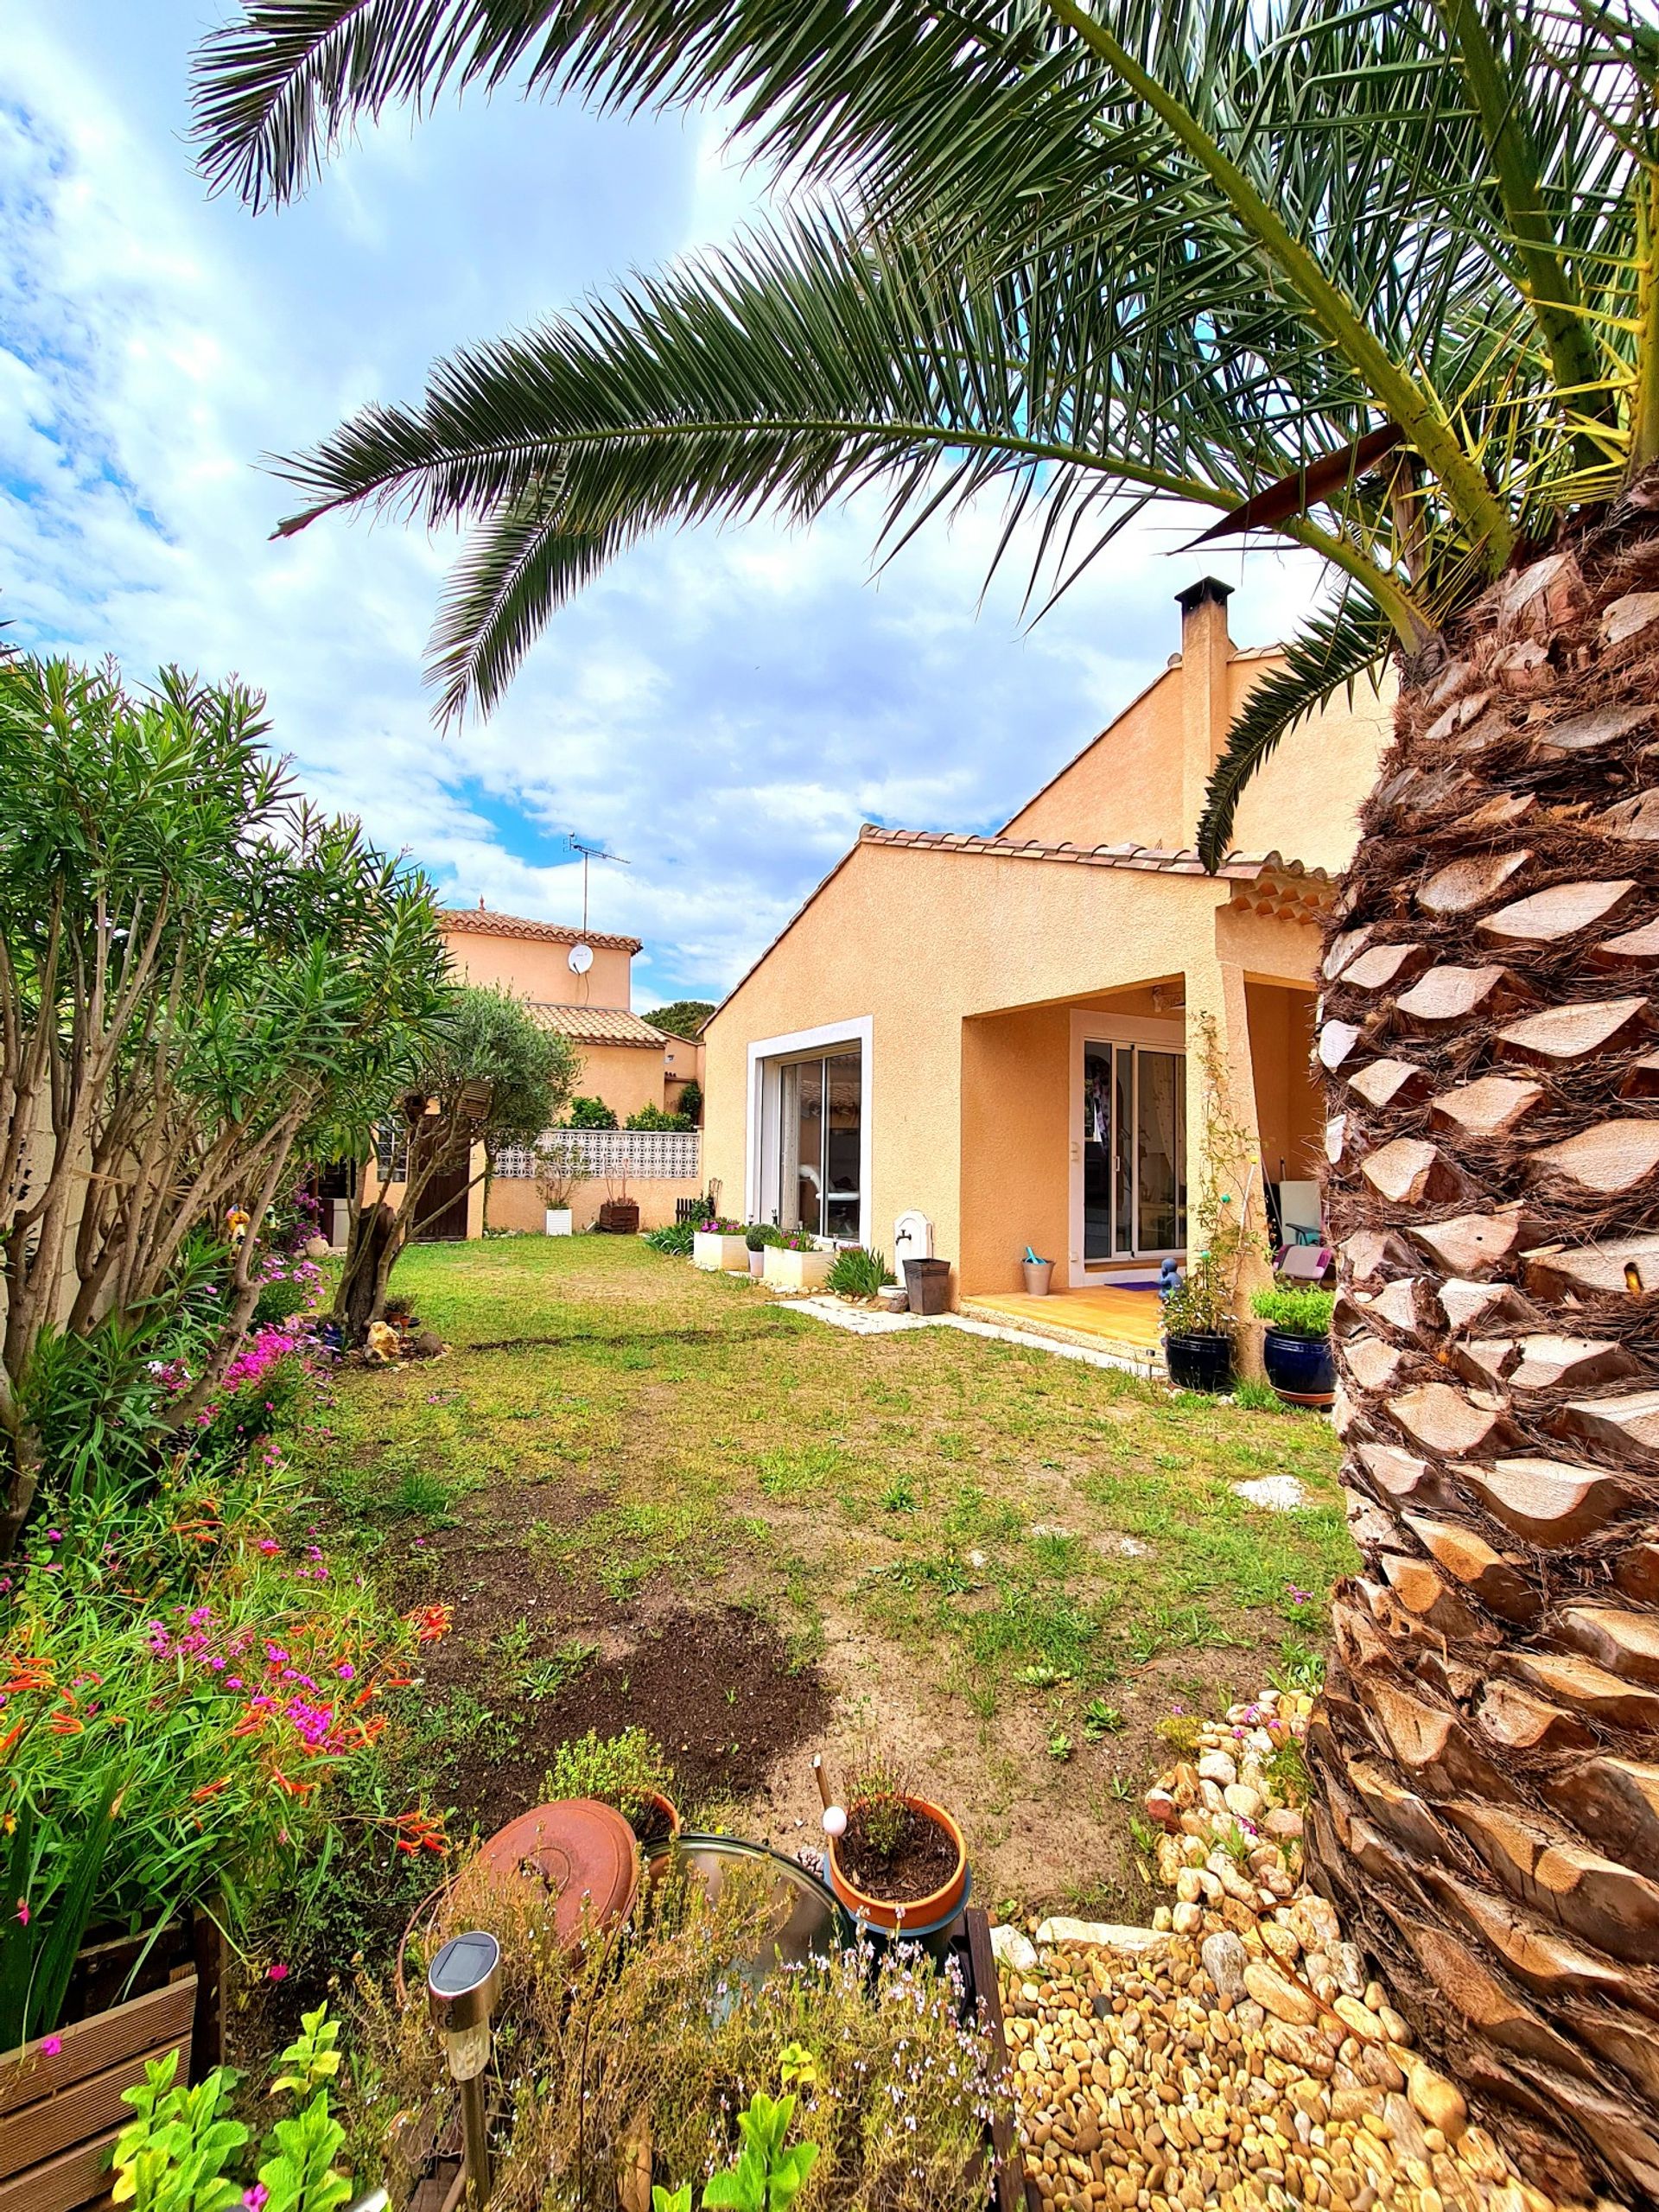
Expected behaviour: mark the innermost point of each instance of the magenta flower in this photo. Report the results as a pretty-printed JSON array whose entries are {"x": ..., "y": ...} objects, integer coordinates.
[
  {"x": 254, "y": 2198},
  {"x": 23, "y": 1911},
  {"x": 276, "y": 1972},
  {"x": 54, "y": 1535}
]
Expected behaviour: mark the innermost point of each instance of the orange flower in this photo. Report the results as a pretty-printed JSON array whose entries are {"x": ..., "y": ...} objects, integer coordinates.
[
  {"x": 430, "y": 1622},
  {"x": 210, "y": 1790},
  {"x": 419, "y": 1831},
  {"x": 10, "y": 1738},
  {"x": 66, "y": 1724}
]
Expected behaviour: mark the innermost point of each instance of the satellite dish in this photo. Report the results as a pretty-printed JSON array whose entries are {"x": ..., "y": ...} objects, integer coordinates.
[{"x": 582, "y": 959}]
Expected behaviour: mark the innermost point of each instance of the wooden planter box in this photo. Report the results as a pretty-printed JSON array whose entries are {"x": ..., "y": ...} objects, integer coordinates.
[
  {"x": 59, "y": 2116},
  {"x": 619, "y": 1217},
  {"x": 797, "y": 1270},
  {"x": 719, "y": 1253}
]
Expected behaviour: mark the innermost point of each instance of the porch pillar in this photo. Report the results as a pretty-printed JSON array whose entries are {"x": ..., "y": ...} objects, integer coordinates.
[{"x": 1215, "y": 990}]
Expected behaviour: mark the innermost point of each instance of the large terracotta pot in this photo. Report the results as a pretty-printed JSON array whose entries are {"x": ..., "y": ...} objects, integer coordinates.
[{"x": 921, "y": 1915}]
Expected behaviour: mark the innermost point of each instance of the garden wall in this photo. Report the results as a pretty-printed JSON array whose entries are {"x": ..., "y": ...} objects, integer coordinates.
[{"x": 514, "y": 1203}]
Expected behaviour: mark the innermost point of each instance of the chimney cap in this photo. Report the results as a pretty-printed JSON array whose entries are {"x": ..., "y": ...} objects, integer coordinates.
[{"x": 1206, "y": 589}]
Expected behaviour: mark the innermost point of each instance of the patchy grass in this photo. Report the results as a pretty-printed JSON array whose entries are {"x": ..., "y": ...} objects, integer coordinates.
[{"x": 1005, "y": 1564}]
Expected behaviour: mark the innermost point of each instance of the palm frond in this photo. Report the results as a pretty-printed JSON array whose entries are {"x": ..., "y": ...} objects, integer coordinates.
[{"x": 1338, "y": 646}]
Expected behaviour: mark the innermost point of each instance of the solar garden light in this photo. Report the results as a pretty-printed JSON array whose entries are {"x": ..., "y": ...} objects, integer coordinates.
[{"x": 462, "y": 1984}]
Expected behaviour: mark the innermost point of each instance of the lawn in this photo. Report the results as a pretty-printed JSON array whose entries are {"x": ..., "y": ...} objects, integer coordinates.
[{"x": 658, "y": 1496}]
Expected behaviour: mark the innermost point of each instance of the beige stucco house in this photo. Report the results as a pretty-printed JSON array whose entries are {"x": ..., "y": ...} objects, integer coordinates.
[
  {"x": 997, "y": 1033},
  {"x": 579, "y": 982}
]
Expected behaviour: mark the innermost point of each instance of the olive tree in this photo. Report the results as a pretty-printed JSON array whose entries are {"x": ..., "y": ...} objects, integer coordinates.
[{"x": 491, "y": 1075}]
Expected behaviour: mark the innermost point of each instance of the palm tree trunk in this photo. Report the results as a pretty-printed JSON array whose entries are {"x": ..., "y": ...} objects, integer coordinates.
[{"x": 1487, "y": 1754}]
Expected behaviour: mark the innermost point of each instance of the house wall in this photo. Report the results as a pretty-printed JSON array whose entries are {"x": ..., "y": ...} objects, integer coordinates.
[
  {"x": 627, "y": 1077},
  {"x": 537, "y": 968},
  {"x": 1290, "y": 1114},
  {"x": 1017, "y": 1115},
  {"x": 1131, "y": 787}
]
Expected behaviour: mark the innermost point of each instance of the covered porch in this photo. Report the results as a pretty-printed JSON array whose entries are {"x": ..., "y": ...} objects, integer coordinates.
[{"x": 1082, "y": 1137}]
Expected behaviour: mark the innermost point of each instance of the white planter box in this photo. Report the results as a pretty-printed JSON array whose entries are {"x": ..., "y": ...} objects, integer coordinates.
[
  {"x": 558, "y": 1221},
  {"x": 719, "y": 1253},
  {"x": 797, "y": 1270}
]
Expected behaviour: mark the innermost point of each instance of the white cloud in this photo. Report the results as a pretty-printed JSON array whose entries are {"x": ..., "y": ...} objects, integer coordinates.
[{"x": 723, "y": 707}]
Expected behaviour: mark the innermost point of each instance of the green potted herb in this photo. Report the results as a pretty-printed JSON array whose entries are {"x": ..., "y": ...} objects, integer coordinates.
[
  {"x": 759, "y": 1236},
  {"x": 629, "y": 1771},
  {"x": 1296, "y": 1343},
  {"x": 855, "y": 1273}
]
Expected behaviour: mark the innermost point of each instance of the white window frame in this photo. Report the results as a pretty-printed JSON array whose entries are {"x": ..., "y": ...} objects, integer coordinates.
[
  {"x": 1088, "y": 1028},
  {"x": 761, "y": 1157}
]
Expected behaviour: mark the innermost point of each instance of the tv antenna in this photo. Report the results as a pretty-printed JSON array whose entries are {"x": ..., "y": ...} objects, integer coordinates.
[{"x": 590, "y": 852}]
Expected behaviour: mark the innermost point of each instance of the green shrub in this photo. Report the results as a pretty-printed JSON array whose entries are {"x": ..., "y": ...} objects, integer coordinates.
[
  {"x": 654, "y": 1117},
  {"x": 674, "y": 1238},
  {"x": 859, "y": 1273},
  {"x": 760, "y": 1234},
  {"x": 591, "y": 1114},
  {"x": 621, "y": 1770},
  {"x": 1295, "y": 1312}
]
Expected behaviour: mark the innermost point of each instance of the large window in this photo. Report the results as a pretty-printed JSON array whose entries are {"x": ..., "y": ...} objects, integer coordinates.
[
  {"x": 819, "y": 1126},
  {"x": 1134, "y": 1151}
]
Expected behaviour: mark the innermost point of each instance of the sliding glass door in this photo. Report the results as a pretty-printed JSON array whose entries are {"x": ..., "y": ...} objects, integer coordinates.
[
  {"x": 820, "y": 1126},
  {"x": 1133, "y": 1152}
]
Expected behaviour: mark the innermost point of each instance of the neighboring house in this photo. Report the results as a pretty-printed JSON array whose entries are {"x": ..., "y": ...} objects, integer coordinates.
[
  {"x": 683, "y": 1059},
  {"x": 580, "y": 983},
  {"x": 995, "y": 1033}
]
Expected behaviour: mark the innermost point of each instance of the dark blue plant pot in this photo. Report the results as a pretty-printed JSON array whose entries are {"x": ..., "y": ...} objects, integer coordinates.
[
  {"x": 1299, "y": 1368},
  {"x": 1198, "y": 1360}
]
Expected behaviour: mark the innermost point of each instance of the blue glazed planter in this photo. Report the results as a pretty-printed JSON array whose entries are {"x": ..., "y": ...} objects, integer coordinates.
[{"x": 1299, "y": 1368}]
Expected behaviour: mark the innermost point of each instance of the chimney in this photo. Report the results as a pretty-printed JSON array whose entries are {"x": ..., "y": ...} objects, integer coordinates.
[{"x": 1206, "y": 649}]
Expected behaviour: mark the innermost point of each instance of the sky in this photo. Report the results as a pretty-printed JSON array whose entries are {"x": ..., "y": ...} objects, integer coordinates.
[{"x": 723, "y": 709}]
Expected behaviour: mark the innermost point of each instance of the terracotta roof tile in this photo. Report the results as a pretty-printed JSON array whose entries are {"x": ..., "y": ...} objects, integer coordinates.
[
  {"x": 479, "y": 921},
  {"x": 597, "y": 1025},
  {"x": 1313, "y": 884}
]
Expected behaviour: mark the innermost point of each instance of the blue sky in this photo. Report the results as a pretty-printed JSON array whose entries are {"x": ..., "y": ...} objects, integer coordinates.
[{"x": 723, "y": 709}]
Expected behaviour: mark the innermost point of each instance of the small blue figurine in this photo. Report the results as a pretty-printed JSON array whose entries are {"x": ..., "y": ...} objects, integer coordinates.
[{"x": 1169, "y": 1277}]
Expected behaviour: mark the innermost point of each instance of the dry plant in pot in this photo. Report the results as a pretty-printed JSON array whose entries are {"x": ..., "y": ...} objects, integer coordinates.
[
  {"x": 561, "y": 1169},
  {"x": 900, "y": 1862}
]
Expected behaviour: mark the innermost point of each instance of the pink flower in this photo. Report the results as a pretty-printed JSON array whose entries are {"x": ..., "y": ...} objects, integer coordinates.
[
  {"x": 276, "y": 1972},
  {"x": 22, "y": 1910},
  {"x": 54, "y": 1535},
  {"x": 268, "y": 1544},
  {"x": 50, "y": 2046},
  {"x": 347, "y": 1672},
  {"x": 254, "y": 2198}
]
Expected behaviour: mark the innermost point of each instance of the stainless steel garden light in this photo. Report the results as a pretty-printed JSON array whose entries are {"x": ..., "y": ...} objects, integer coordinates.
[{"x": 462, "y": 1984}]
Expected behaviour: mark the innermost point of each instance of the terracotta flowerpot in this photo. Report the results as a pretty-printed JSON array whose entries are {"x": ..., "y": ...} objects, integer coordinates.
[
  {"x": 919, "y": 1915},
  {"x": 666, "y": 1809}
]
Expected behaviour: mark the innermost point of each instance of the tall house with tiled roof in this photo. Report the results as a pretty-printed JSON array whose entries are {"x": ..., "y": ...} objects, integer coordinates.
[
  {"x": 625, "y": 1061},
  {"x": 994, "y": 1042}
]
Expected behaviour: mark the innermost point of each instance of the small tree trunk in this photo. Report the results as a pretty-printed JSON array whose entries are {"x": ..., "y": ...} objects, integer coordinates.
[
  {"x": 1487, "y": 1754},
  {"x": 363, "y": 1279}
]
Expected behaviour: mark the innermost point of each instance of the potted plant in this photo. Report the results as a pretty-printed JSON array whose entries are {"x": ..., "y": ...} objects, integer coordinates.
[
  {"x": 899, "y": 1862},
  {"x": 560, "y": 1167},
  {"x": 720, "y": 1246},
  {"x": 758, "y": 1235},
  {"x": 1200, "y": 1305},
  {"x": 1296, "y": 1343},
  {"x": 629, "y": 1771},
  {"x": 796, "y": 1262}
]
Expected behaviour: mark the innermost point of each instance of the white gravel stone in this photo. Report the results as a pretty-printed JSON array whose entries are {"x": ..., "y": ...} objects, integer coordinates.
[{"x": 1276, "y": 1493}]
